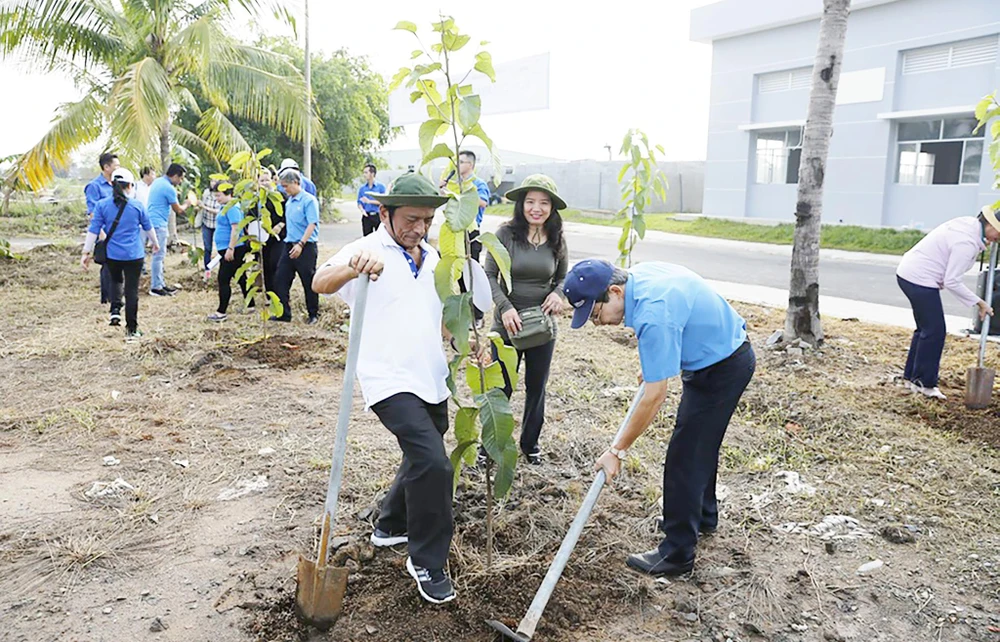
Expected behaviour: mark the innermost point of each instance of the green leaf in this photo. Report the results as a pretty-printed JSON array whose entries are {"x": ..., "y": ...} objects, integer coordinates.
[
  {"x": 451, "y": 243},
  {"x": 239, "y": 160},
  {"x": 398, "y": 79},
  {"x": 464, "y": 451},
  {"x": 982, "y": 107},
  {"x": 242, "y": 270},
  {"x": 453, "y": 367},
  {"x": 466, "y": 428},
  {"x": 507, "y": 356},
  {"x": 469, "y": 111},
  {"x": 499, "y": 254},
  {"x": 465, "y": 90},
  {"x": 639, "y": 224},
  {"x": 405, "y": 25},
  {"x": 457, "y": 318},
  {"x": 264, "y": 153},
  {"x": 250, "y": 295},
  {"x": 275, "y": 309},
  {"x": 492, "y": 374},
  {"x": 454, "y": 42},
  {"x": 444, "y": 25},
  {"x": 415, "y": 96},
  {"x": 504, "y": 478},
  {"x": 497, "y": 421},
  {"x": 478, "y": 132},
  {"x": 219, "y": 177},
  {"x": 440, "y": 150},
  {"x": 437, "y": 47},
  {"x": 624, "y": 170},
  {"x": 416, "y": 54},
  {"x": 426, "y": 134},
  {"x": 484, "y": 65},
  {"x": 623, "y": 239},
  {"x": 443, "y": 282},
  {"x": 460, "y": 213}
]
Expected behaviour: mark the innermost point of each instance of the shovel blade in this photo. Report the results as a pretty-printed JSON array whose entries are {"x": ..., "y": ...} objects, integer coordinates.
[
  {"x": 319, "y": 593},
  {"x": 505, "y": 631},
  {"x": 979, "y": 387}
]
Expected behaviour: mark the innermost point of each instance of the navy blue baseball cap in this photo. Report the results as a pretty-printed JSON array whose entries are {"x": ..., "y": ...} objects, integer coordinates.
[{"x": 586, "y": 282}]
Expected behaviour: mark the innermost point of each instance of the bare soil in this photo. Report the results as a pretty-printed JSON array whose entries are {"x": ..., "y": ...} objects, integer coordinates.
[{"x": 222, "y": 442}]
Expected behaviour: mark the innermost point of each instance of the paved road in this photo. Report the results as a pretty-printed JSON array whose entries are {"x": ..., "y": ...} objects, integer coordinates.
[{"x": 848, "y": 275}]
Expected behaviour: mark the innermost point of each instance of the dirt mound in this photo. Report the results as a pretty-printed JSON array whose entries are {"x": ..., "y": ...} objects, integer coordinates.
[{"x": 282, "y": 351}]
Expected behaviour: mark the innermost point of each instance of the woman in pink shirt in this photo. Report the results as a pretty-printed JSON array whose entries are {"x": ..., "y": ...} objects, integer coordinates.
[{"x": 938, "y": 262}]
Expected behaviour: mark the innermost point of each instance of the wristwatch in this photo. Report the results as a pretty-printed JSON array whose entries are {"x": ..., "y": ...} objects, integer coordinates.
[{"x": 620, "y": 453}]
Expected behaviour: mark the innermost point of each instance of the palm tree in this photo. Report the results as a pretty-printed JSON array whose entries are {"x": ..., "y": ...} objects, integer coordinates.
[
  {"x": 802, "y": 318},
  {"x": 141, "y": 63}
]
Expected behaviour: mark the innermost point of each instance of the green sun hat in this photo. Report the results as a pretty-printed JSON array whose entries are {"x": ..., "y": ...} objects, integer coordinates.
[
  {"x": 411, "y": 189},
  {"x": 537, "y": 182}
]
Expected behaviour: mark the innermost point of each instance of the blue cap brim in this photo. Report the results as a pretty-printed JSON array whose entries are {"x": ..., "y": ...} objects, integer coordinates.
[{"x": 582, "y": 314}]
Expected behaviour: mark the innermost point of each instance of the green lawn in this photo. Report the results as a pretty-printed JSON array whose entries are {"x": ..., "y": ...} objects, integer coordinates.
[{"x": 838, "y": 237}]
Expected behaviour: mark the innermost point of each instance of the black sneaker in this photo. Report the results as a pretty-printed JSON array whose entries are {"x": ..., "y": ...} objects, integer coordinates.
[
  {"x": 382, "y": 539},
  {"x": 161, "y": 292},
  {"x": 534, "y": 457},
  {"x": 133, "y": 334},
  {"x": 116, "y": 319},
  {"x": 170, "y": 290},
  {"x": 433, "y": 585}
]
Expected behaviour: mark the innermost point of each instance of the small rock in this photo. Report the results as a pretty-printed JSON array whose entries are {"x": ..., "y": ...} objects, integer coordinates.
[
  {"x": 831, "y": 548},
  {"x": 774, "y": 339},
  {"x": 831, "y": 635},
  {"x": 690, "y": 617},
  {"x": 684, "y": 604},
  {"x": 794, "y": 352},
  {"x": 371, "y": 629},
  {"x": 266, "y": 452},
  {"x": 158, "y": 626},
  {"x": 115, "y": 394},
  {"x": 120, "y": 598},
  {"x": 801, "y": 628},
  {"x": 106, "y": 610},
  {"x": 869, "y": 567},
  {"x": 898, "y": 534},
  {"x": 144, "y": 594},
  {"x": 111, "y": 460}
]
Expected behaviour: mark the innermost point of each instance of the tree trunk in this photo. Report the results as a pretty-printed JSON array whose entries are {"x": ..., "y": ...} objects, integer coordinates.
[
  {"x": 307, "y": 138},
  {"x": 165, "y": 147},
  {"x": 802, "y": 319}
]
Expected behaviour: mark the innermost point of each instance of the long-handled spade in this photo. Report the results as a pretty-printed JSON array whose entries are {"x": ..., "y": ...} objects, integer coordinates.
[
  {"x": 979, "y": 380},
  {"x": 319, "y": 595},
  {"x": 526, "y": 628}
]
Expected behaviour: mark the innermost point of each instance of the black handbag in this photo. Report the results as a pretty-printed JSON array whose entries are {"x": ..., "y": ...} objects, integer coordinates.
[
  {"x": 537, "y": 328},
  {"x": 101, "y": 247}
]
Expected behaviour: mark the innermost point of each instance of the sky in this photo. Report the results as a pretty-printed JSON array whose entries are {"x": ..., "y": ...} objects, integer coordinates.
[{"x": 613, "y": 66}]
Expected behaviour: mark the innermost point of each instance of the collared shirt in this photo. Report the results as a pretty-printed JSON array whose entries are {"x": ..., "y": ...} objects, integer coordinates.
[
  {"x": 484, "y": 195},
  {"x": 224, "y": 223},
  {"x": 142, "y": 192},
  {"x": 126, "y": 244},
  {"x": 301, "y": 210},
  {"x": 97, "y": 190},
  {"x": 398, "y": 356},
  {"x": 209, "y": 209},
  {"x": 364, "y": 190},
  {"x": 680, "y": 321},
  {"x": 162, "y": 195},
  {"x": 941, "y": 259}
]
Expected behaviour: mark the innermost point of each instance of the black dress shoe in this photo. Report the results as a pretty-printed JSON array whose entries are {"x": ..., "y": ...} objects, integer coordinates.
[{"x": 654, "y": 563}]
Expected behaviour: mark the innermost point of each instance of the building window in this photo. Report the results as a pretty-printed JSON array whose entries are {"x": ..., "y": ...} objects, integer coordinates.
[
  {"x": 787, "y": 80},
  {"x": 967, "y": 53},
  {"x": 778, "y": 155},
  {"x": 939, "y": 152}
]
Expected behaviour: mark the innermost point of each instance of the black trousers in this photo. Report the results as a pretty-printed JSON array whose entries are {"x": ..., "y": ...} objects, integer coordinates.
[
  {"x": 227, "y": 270},
  {"x": 708, "y": 400},
  {"x": 124, "y": 278},
  {"x": 475, "y": 250},
  {"x": 107, "y": 292},
  {"x": 419, "y": 500},
  {"x": 272, "y": 251},
  {"x": 537, "y": 364},
  {"x": 370, "y": 223},
  {"x": 923, "y": 361},
  {"x": 305, "y": 267}
]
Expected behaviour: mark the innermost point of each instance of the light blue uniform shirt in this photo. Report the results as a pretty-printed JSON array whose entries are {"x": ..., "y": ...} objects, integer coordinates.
[
  {"x": 126, "y": 244},
  {"x": 680, "y": 321},
  {"x": 224, "y": 227},
  {"x": 162, "y": 194},
  {"x": 301, "y": 210}
]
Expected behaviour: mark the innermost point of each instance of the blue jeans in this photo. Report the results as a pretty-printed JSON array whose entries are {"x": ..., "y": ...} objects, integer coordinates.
[
  {"x": 924, "y": 359},
  {"x": 157, "y": 278},
  {"x": 207, "y": 234}
]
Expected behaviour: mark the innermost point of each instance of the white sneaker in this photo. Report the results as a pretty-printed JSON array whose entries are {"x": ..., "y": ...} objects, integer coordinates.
[{"x": 934, "y": 393}]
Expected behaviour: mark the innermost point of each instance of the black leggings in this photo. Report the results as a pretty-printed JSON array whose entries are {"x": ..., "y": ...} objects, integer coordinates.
[
  {"x": 124, "y": 276},
  {"x": 227, "y": 269}
]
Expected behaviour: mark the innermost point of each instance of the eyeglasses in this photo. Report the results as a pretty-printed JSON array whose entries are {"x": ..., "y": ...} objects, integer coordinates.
[{"x": 595, "y": 314}]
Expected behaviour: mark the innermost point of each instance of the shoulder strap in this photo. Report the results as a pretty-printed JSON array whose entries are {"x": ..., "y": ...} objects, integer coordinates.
[{"x": 114, "y": 226}]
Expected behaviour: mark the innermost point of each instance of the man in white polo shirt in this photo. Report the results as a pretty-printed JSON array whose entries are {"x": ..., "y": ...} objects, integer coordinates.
[{"x": 403, "y": 373}]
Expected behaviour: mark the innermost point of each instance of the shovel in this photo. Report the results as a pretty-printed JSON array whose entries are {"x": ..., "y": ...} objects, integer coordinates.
[
  {"x": 526, "y": 628},
  {"x": 319, "y": 594},
  {"x": 979, "y": 380}
]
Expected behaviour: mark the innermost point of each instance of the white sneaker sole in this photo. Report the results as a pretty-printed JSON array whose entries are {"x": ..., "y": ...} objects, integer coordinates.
[
  {"x": 384, "y": 542},
  {"x": 413, "y": 573}
]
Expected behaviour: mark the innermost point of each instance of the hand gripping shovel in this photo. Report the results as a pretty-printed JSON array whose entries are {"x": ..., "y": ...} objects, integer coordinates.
[
  {"x": 319, "y": 595},
  {"x": 979, "y": 380},
  {"x": 526, "y": 628}
]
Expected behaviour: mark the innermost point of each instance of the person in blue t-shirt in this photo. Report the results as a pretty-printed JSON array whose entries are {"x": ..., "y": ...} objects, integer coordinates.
[
  {"x": 162, "y": 201},
  {"x": 95, "y": 191},
  {"x": 232, "y": 250},
  {"x": 467, "y": 171},
  {"x": 301, "y": 235},
  {"x": 125, "y": 246},
  {"x": 369, "y": 207},
  {"x": 684, "y": 328},
  {"x": 307, "y": 185}
]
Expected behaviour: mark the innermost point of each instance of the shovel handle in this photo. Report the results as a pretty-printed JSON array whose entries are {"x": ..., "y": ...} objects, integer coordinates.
[
  {"x": 987, "y": 322},
  {"x": 530, "y": 620},
  {"x": 344, "y": 416}
]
